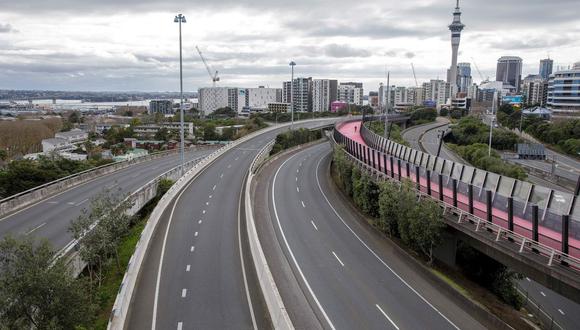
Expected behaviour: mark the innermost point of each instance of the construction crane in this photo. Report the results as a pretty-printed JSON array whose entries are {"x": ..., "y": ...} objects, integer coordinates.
[
  {"x": 214, "y": 76},
  {"x": 414, "y": 75},
  {"x": 478, "y": 71}
]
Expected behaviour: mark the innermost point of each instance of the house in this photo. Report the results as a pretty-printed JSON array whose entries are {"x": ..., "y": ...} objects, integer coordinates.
[
  {"x": 73, "y": 136},
  {"x": 57, "y": 144}
]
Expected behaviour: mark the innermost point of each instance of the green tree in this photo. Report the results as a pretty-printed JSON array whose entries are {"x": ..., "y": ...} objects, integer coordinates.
[
  {"x": 36, "y": 293},
  {"x": 426, "y": 226},
  {"x": 389, "y": 208},
  {"x": 406, "y": 205},
  {"x": 225, "y": 112}
]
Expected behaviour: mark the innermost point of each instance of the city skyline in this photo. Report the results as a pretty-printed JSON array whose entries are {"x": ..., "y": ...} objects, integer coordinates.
[{"x": 109, "y": 47}]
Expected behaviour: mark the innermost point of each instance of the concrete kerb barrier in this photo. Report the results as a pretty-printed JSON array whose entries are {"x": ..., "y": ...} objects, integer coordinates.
[
  {"x": 276, "y": 309},
  {"x": 119, "y": 313},
  {"x": 16, "y": 202}
]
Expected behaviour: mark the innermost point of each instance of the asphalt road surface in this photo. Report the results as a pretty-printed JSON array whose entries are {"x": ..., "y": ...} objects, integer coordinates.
[
  {"x": 51, "y": 217},
  {"x": 352, "y": 276},
  {"x": 192, "y": 276}
]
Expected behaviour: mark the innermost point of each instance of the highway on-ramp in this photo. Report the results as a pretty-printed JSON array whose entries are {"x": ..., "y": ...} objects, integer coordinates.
[
  {"x": 50, "y": 218},
  {"x": 195, "y": 274},
  {"x": 351, "y": 276}
]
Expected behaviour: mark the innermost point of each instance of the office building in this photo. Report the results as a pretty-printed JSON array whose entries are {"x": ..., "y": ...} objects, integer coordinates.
[
  {"x": 351, "y": 93},
  {"x": 464, "y": 79},
  {"x": 535, "y": 90},
  {"x": 455, "y": 27},
  {"x": 564, "y": 93},
  {"x": 324, "y": 92},
  {"x": 509, "y": 71},
  {"x": 546, "y": 67},
  {"x": 259, "y": 98},
  {"x": 161, "y": 106},
  {"x": 279, "y": 107},
  {"x": 415, "y": 96},
  {"x": 437, "y": 91},
  {"x": 302, "y": 94}
]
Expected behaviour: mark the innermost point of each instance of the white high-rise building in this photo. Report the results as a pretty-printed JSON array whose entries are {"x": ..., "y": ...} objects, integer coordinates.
[
  {"x": 259, "y": 98},
  {"x": 213, "y": 98},
  {"x": 351, "y": 94},
  {"x": 564, "y": 93},
  {"x": 324, "y": 92}
]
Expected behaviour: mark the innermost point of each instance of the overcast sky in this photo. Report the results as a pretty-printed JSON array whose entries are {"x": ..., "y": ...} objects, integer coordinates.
[{"x": 132, "y": 45}]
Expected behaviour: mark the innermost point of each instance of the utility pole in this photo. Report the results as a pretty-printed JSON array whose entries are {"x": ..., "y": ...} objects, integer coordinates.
[
  {"x": 491, "y": 120},
  {"x": 181, "y": 19},
  {"x": 388, "y": 102}
]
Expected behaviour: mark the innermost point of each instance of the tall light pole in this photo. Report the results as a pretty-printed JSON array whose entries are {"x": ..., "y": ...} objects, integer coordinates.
[
  {"x": 181, "y": 19},
  {"x": 292, "y": 65},
  {"x": 491, "y": 120},
  {"x": 388, "y": 102}
]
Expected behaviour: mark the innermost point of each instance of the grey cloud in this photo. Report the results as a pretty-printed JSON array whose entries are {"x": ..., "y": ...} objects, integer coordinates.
[
  {"x": 409, "y": 55},
  {"x": 530, "y": 43},
  {"x": 335, "y": 50},
  {"x": 6, "y": 28}
]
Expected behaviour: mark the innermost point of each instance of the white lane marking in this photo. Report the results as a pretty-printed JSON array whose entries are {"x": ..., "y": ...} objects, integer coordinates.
[
  {"x": 36, "y": 228},
  {"x": 337, "y": 258},
  {"x": 221, "y": 175},
  {"x": 206, "y": 203},
  {"x": 296, "y": 179},
  {"x": 200, "y": 222},
  {"x": 183, "y": 293},
  {"x": 388, "y": 318},
  {"x": 297, "y": 189},
  {"x": 528, "y": 279},
  {"x": 237, "y": 158},
  {"x": 188, "y": 268},
  {"x": 203, "y": 211},
  {"x": 158, "y": 282},
  {"x": 373, "y": 252},
  {"x": 71, "y": 203},
  {"x": 179, "y": 325},
  {"x": 55, "y": 202},
  {"x": 196, "y": 233},
  {"x": 290, "y": 250},
  {"x": 192, "y": 248},
  {"x": 542, "y": 293},
  {"x": 213, "y": 187},
  {"x": 82, "y": 202},
  {"x": 297, "y": 170},
  {"x": 230, "y": 166},
  {"x": 210, "y": 196},
  {"x": 112, "y": 186},
  {"x": 304, "y": 206},
  {"x": 561, "y": 311},
  {"x": 312, "y": 222}
]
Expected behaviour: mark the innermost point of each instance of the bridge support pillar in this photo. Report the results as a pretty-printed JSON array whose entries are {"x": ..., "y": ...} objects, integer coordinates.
[
  {"x": 489, "y": 202},
  {"x": 470, "y": 197},
  {"x": 429, "y": 182},
  {"x": 441, "y": 187},
  {"x": 535, "y": 223},
  {"x": 454, "y": 192},
  {"x": 417, "y": 178},
  {"x": 565, "y": 233}
]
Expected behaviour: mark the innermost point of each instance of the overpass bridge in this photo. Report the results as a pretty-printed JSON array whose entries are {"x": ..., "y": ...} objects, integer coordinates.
[{"x": 532, "y": 229}]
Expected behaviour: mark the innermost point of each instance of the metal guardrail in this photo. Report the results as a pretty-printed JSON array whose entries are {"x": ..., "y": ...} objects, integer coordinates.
[{"x": 553, "y": 257}]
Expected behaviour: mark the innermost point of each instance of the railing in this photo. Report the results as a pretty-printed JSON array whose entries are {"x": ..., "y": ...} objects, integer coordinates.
[{"x": 376, "y": 163}]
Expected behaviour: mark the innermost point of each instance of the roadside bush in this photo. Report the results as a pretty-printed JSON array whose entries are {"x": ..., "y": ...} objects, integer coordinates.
[
  {"x": 471, "y": 130},
  {"x": 477, "y": 155},
  {"x": 294, "y": 138}
]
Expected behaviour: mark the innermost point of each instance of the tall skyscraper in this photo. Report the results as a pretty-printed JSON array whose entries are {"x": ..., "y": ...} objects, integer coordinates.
[
  {"x": 324, "y": 92},
  {"x": 509, "y": 71},
  {"x": 456, "y": 27},
  {"x": 546, "y": 67},
  {"x": 564, "y": 94},
  {"x": 464, "y": 77}
]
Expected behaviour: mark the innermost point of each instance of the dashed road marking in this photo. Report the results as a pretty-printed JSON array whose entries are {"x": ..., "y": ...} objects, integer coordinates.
[
  {"x": 387, "y": 316},
  {"x": 203, "y": 211},
  {"x": 304, "y": 206},
  {"x": 200, "y": 222},
  {"x": 542, "y": 293},
  {"x": 82, "y": 202},
  {"x": 196, "y": 233},
  {"x": 192, "y": 248},
  {"x": 54, "y": 202},
  {"x": 297, "y": 189},
  {"x": 210, "y": 196},
  {"x": 313, "y": 224},
  {"x": 221, "y": 175},
  {"x": 561, "y": 311},
  {"x": 188, "y": 268},
  {"x": 179, "y": 325},
  {"x": 206, "y": 203},
  {"x": 183, "y": 293},
  {"x": 230, "y": 166},
  {"x": 36, "y": 228},
  {"x": 337, "y": 258},
  {"x": 213, "y": 187}
]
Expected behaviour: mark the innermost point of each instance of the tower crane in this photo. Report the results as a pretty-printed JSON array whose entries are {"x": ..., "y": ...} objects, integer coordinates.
[
  {"x": 414, "y": 75},
  {"x": 214, "y": 76},
  {"x": 478, "y": 71}
]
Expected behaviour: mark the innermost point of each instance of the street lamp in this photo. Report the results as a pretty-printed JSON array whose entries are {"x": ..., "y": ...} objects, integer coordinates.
[
  {"x": 181, "y": 19},
  {"x": 292, "y": 65}
]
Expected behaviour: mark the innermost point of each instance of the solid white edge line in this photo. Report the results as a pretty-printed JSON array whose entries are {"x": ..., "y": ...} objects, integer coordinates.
[
  {"x": 373, "y": 252},
  {"x": 290, "y": 250},
  {"x": 246, "y": 286},
  {"x": 158, "y": 282},
  {"x": 337, "y": 258},
  {"x": 313, "y": 224},
  {"x": 387, "y": 316}
]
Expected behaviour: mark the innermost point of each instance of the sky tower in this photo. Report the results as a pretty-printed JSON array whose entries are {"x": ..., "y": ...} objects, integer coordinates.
[{"x": 456, "y": 27}]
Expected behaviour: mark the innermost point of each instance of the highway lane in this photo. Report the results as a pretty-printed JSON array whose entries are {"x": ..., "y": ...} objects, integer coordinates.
[
  {"x": 192, "y": 276},
  {"x": 565, "y": 311},
  {"x": 354, "y": 281},
  {"x": 51, "y": 217}
]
